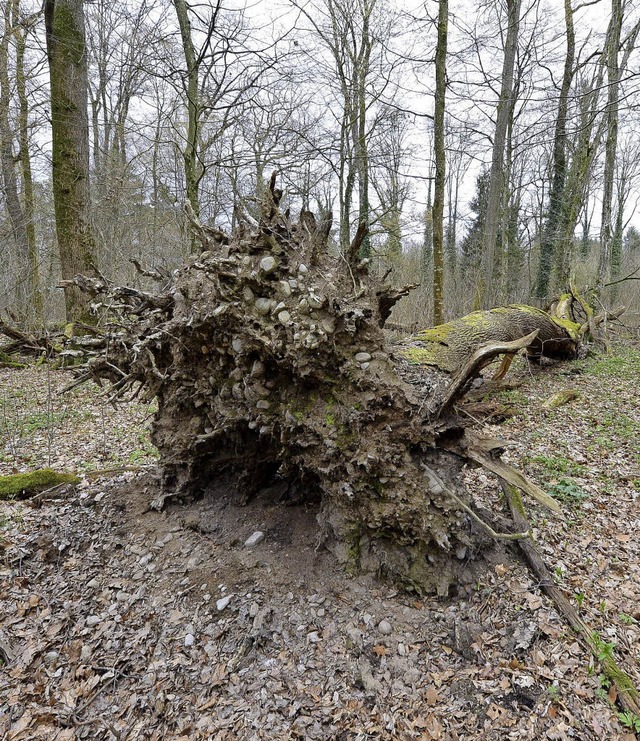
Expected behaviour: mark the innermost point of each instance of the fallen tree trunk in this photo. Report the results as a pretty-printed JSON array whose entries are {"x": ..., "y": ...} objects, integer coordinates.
[
  {"x": 269, "y": 364},
  {"x": 449, "y": 345}
]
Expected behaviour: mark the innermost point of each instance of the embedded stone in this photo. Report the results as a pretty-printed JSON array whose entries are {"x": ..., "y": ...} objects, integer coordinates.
[
  {"x": 285, "y": 288},
  {"x": 315, "y": 302},
  {"x": 268, "y": 264},
  {"x": 263, "y": 305}
]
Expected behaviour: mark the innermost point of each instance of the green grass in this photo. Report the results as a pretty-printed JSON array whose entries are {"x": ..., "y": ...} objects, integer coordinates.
[
  {"x": 558, "y": 465},
  {"x": 624, "y": 365}
]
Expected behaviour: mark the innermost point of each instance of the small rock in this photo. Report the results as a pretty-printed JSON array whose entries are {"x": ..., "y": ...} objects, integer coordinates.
[
  {"x": 222, "y": 603},
  {"x": 86, "y": 653},
  {"x": 363, "y": 357},
  {"x": 236, "y": 343},
  {"x": 313, "y": 637},
  {"x": 257, "y": 369},
  {"x": 285, "y": 288},
  {"x": 189, "y": 639},
  {"x": 262, "y": 404},
  {"x": 315, "y": 302},
  {"x": 268, "y": 264},
  {"x": 303, "y": 269},
  {"x": 51, "y": 657},
  {"x": 254, "y": 539},
  {"x": 284, "y": 317},
  {"x": 99, "y": 496},
  {"x": 384, "y": 626},
  {"x": 93, "y": 620},
  {"x": 93, "y": 584},
  {"x": 263, "y": 305}
]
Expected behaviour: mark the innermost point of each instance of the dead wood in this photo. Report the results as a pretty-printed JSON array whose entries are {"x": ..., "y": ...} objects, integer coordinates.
[
  {"x": 268, "y": 360},
  {"x": 628, "y": 695}
]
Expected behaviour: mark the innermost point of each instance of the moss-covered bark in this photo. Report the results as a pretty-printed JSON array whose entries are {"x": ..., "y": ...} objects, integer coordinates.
[
  {"x": 25, "y": 485},
  {"x": 448, "y": 346},
  {"x": 70, "y": 148}
]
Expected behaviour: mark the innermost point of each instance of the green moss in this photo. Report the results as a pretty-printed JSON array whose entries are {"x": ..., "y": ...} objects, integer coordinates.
[
  {"x": 418, "y": 355},
  {"x": 23, "y": 485},
  {"x": 7, "y": 362}
]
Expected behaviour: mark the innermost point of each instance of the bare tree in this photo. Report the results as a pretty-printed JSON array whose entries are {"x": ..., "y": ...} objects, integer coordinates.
[
  {"x": 19, "y": 204},
  {"x": 67, "y": 53},
  {"x": 615, "y": 68},
  {"x": 492, "y": 259},
  {"x": 439, "y": 157}
]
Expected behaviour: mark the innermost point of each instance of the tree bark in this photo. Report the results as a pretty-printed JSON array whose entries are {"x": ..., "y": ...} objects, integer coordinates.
[
  {"x": 550, "y": 232},
  {"x": 611, "y": 144},
  {"x": 24, "y": 288},
  {"x": 439, "y": 183},
  {"x": 491, "y": 255},
  {"x": 191, "y": 76},
  {"x": 21, "y": 26},
  {"x": 64, "y": 20}
]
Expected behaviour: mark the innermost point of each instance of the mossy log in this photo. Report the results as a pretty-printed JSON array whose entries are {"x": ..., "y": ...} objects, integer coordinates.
[
  {"x": 449, "y": 345},
  {"x": 270, "y": 365},
  {"x": 25, "y": 485}
]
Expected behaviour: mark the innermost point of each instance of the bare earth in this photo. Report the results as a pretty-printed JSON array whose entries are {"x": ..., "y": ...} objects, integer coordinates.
[{"x": 117, "y": 622}]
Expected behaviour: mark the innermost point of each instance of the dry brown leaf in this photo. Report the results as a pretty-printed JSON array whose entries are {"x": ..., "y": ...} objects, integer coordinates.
[{"x": 431, "y": 695}]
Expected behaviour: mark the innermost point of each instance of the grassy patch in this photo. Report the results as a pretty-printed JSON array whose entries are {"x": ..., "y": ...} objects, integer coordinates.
[
  {"x": 566, "y": 490},
  {"x": 558, "y": 465},
  {"x": 624, "y": 365}
]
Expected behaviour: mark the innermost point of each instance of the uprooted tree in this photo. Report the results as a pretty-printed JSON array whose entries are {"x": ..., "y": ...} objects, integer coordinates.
[
  {"x": 269, "y": 363},
  {"x": 271, "y": 369}
]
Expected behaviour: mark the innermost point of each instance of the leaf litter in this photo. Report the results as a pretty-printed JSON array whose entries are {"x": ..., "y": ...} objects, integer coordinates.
[{"x": 118, "y": 622}]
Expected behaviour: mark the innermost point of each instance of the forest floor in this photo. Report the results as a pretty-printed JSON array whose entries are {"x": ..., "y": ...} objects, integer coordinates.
[{"x": 119, "y": 622}]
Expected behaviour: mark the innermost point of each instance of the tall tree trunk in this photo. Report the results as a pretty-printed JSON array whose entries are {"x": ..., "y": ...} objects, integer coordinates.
[
  {"x": 491, "y": 255},
  {"x": 426, "y": 253},
  {"x": 550, "y": 231},
  {"x": 192, "y": 134},
  {"x": 611, "y": 145},
  {"x": 439, "y": 154},
  {"x": 23, "y": 288},
  {"x": 66, "y": 50},
  {"x": 28, "y": 198}
]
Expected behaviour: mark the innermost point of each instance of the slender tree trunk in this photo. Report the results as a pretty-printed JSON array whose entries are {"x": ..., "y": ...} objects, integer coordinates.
[
  {"x": 190, "y": 148},
  {"x": 550, "y": 231},
  {"x": 23, "y": 287},
  {"x": 68, "y": 72},
  {"x": 28, "y": 197},
  {"x": 426, "y": 255},
  {"x": 611, "y": 145},
  {"x": 492, "y": 256},
  {"x": 439, "y": 155}
]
